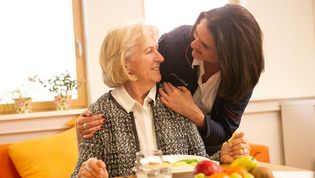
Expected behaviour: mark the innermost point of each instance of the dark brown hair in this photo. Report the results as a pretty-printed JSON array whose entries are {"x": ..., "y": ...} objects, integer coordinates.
[{"x": 238, "y": 39}]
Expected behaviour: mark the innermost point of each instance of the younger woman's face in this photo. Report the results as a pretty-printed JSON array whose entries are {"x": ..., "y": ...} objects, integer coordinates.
[{"x": 204, "y": 47}]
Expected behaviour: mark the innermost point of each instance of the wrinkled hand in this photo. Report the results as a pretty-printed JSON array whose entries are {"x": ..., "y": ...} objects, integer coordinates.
[
  {"x": 235, "y": 147},
  {"x": 87, "y": 124},
  {"x": 93, "y": 168},
  {"x": 179, "y": 99}
]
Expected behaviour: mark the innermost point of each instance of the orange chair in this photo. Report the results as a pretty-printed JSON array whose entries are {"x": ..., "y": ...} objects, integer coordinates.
[
  {"x": 7, "y": 169},
  {"x": 262, "y": 152}
]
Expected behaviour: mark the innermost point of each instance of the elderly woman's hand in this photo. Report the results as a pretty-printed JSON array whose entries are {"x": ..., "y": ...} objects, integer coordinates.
[
  {"x": 93, "y": 168},
  {"x": 87, "y": 124},
  {"x": 236, "y": 146}
]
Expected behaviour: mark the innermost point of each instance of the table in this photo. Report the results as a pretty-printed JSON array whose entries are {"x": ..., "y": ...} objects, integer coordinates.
[{"x": 279, "y": 171}]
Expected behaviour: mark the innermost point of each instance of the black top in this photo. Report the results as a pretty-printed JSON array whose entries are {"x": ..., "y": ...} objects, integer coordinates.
[{"x": 225, "y": 115}]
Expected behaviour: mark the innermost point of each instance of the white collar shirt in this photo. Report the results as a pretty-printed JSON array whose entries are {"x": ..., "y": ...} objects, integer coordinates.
[
  {"x": 206, "y": 92},
  {"x": 142, "y": 113}
]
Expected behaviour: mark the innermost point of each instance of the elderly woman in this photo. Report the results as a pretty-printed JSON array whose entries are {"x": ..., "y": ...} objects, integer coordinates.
[{"x": 136, "y": 118}]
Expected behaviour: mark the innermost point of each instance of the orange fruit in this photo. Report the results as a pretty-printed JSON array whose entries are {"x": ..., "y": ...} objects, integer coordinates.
[
  {"x": 234, "y": 169},
  {"x": 219, "y": 175}
]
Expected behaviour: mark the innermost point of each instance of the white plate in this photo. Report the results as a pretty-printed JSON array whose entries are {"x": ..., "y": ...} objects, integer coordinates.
[{"x": 183, "y": 171}]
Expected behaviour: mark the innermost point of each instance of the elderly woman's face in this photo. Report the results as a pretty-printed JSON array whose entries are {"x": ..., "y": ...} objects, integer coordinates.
[{"x": 145, "y": 63}]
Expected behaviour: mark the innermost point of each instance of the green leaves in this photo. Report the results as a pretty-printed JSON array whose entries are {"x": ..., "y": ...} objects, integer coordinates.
[{"x": 60, "y": 85}]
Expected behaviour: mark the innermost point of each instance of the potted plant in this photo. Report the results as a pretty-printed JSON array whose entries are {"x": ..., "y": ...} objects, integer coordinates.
[
  {"x": 61, "y": 86},
  {"x": 22, "y": 103}
]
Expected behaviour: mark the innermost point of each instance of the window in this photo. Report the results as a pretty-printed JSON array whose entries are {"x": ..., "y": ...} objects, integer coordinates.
[
  {"x": 166, "y": 14},
  {"x": 44, "y": 38}
]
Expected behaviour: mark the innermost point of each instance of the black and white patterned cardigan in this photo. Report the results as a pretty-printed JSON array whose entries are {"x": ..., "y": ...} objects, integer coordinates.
[{"x": 117, "y": 142}]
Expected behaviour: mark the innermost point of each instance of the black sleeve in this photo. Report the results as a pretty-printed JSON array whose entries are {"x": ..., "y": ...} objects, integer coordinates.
[{"x": 221, "y": 123}]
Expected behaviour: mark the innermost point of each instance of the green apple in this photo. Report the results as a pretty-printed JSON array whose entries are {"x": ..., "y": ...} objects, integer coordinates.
[
  {"x": 248, "y": 162},
  {"x": 248, "y": 175},
  {"x": 235, "y": 175},
  {"x": 200, "y": 175}
]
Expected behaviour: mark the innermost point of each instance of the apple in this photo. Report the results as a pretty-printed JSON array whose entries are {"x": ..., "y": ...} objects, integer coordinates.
[
  {"x": 248, "y": 162},
  {"x": 248, "y": 175},
  {"x": 235, "y": 175},
  {"x": 207, "y": 167},
  {"x": 200, "y": 175}
]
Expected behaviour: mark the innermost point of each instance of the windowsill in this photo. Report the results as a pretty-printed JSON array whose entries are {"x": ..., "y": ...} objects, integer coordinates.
[
  {"x": 18, "y": 127},
  {"x": 40, "y": 114}
]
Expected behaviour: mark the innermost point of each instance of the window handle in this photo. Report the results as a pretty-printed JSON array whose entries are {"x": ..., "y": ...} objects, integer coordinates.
[{"x": 79, "y": 47}]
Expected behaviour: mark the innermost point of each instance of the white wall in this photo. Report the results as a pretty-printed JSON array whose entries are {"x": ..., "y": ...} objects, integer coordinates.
[
  {"x": 99, "y": 15},
  {"x": 289, "y": 45},
  {"x": 314, "y": 19}
]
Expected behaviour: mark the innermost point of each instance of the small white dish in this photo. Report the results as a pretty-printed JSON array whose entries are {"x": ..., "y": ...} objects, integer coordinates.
[{"x": 183, "y": 171}]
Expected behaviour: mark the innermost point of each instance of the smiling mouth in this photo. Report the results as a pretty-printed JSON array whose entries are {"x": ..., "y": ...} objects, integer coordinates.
[{"x": 156, "y": 68}]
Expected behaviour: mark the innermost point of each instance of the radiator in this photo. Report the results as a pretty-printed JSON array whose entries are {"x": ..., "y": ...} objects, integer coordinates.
[{"x": 298, "y": 126}]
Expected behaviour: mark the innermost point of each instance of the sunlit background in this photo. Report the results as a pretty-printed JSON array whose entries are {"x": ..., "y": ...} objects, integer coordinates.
[
  {"x": 35, "y": 41},
  {"x": 167, "y": 17}
]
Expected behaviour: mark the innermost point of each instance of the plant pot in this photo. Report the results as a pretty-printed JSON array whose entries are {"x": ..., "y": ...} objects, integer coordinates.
[
  {"x": 63, "y": 102},
  {"x": 23, "y": 105}
]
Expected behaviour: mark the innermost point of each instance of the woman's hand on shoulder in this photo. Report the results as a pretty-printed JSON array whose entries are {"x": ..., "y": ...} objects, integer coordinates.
[
  {"x": 180, "y": 100},
  {"x": 88, "y": 124}
]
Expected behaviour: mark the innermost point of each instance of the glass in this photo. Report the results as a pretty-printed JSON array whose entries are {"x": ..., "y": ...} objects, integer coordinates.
[{"x": 149, "y": 164}]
